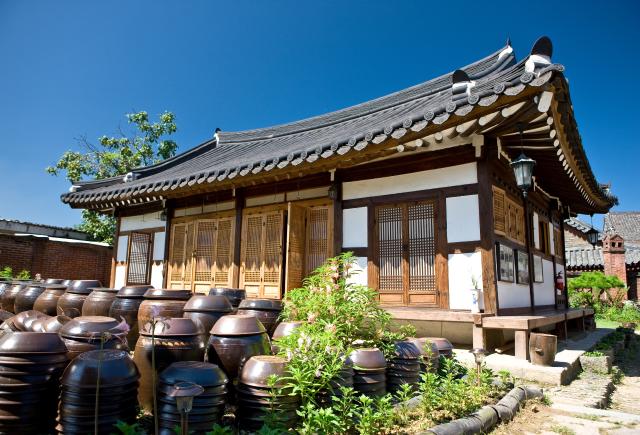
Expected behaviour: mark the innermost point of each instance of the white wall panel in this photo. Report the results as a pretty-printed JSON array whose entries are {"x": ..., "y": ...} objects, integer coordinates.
[
  {"x": 156, "y": 274},
  {"x": 463, "y": 219},
  {"x": 359, "y": 272},
  {"x": 512, "y": 295},
  {"x": 158, "y": 245},
  {"x": 123, "y": 247},
  {"x": 354, "y": 227},
  {"x": 536, "y": 231},
  {"x": 543, "y": 292},
  {"x": 461, "y": 268},
  {"x": 432, "y": 179},
  {"x": 552, "y": 244},
  {"x": 120, "y": 276},
  {"x": 139, "y": 222}
]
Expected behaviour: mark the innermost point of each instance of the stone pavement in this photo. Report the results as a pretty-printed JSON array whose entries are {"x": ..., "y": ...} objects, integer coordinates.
[{"x": 626, "y": 397}]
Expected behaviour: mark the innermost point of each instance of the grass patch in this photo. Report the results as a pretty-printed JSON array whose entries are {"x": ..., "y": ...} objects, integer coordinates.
[
  {"x": 606, "y": 323},
  {"x": 562, "y": 430},
  {"x": 588, "y": 417}
]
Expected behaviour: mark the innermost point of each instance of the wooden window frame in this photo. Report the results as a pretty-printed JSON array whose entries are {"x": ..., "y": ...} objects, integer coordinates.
[
  {"x": 149, "y": 262},
  {"x": 511, "y": 224},
  {"x": 499, "y": 275}
]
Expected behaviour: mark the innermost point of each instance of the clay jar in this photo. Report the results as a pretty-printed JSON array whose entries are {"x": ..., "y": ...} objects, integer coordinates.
[
  {"x": 99, "y": 301},
  {"x": 445, "y": 348},
  {"x": 164, "y": 302},
  {"x": 70, "y": 304},
  {"x": 27, "y": 297},
  {"x": 266, "y": 310},
  {"x": 176, "y": 339},
  {"x": 234, "y": 339},
  {"x": 282, "y": 330},
  {"x": 30, "y": 369},
  {"x": 126, "y": 305},
  {"x": 47, "y": 302},
  {"x": 9, "y": 295},
  {"x": 4, "y": 286},
  {"x": 235, "y": 295},
  {"x": 83, "y": 334},
  {"x": 206, "y": 310}
]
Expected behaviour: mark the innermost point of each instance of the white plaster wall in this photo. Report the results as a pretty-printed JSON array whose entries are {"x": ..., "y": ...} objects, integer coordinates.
[
  {"x": 158, "y": 245},
  {"x": 354, "y": 227},
  {"x": 157, "y": 274},
  {"x": 123, "y": 247},
  {"x": 255, "y": 201},
  {"x": 317, "y": 192},
  {"x": 432, "y": 179},
  {"x": 359, "y": 272},
  {"x": 139, "y": 222},
  {"x": 543, "y": 292},
  {"x": 120, "y": 276},
  {"x": 463, "y": 219},
  {"x": 461, "y": 268},
  {"x": 536, "y": 231},
  {"x": 512, "y": 295},
  {"x": 552, "y": 244}
]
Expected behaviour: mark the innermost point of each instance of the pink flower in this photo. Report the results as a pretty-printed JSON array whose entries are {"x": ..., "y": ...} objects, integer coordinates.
[
  {"x": 311, "y": 317},
  {"x": 155, "y": 311},
  {"x": 330, "y": 328},
  {"x": 123, "y": 326}
]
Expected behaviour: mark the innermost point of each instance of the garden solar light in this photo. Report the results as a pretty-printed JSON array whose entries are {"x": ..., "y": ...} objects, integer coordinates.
[
  {"x": 184, "y": 392},
  {"x": 478, "y": 355}
]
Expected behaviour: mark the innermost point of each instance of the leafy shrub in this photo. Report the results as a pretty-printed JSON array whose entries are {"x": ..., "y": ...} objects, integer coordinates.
[{"x": 7, "y": 272}]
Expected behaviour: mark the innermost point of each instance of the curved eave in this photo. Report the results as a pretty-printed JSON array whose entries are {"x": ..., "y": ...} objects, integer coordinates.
[{"x": 336, "y": 154}]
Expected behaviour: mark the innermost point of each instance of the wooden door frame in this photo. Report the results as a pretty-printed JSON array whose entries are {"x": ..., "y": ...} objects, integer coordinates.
[{"x": 439, "y": 227}]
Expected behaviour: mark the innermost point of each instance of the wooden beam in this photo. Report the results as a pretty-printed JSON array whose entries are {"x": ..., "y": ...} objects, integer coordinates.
[
  {"x": 237, "y": 240},
  {"x": 487, "y": 236},
  {"x": 336, "y": 186}
]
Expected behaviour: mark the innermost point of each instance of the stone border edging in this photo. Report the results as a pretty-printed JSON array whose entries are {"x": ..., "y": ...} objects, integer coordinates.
[{"x": 488, "y": 416}]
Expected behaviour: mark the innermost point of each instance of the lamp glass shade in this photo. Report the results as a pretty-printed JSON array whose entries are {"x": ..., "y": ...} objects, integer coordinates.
[
  {"x": 478, "y": 354},
  {"x": 593, "y": 236},
  {"x": 523, "y": 171},
  {"x": 184, "y": 404},
  {"x": 184, "y": 392}
]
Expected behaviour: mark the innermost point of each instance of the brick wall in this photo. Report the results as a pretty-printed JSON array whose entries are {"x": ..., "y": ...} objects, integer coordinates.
[{"x": 52, "y": 259}]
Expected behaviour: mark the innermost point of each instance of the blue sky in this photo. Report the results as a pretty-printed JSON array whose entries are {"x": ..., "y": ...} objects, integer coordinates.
[{"x": 74, "y": 68}]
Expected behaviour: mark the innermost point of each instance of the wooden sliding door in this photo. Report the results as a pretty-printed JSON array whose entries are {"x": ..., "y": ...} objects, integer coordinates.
[
  {"x": 201, "y": 254},
  {"x": 405, "y": 253},
  {"x": 261, "y": 254}
]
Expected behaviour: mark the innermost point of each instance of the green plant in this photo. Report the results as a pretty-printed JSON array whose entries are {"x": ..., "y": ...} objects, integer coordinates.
[
  {"x": 592, "y": 289},
  {"x": 220, "y": 430},
  {"x": 453, "y": 392},
  {"x": 373, "y": 416},
  {"x": 593, "y": 353},
  {"x": 403, "y": 395},
  {"x": 131, "y": 429},
  {"x": 6, "y": 272},
  {"x": 117, "y": 156}
]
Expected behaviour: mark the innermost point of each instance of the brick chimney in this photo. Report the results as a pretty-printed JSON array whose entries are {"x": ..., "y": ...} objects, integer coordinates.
[{"x": 613, "y": 251}]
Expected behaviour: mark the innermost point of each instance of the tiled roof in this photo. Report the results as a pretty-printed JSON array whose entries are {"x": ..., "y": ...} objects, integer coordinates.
[
  {"x": 584, "y": 258},
  {"x": 578, "y": 225},
  {"x": 590, "y": 258},
  {"x": 626, "y": 224},
  {"x": 232, "y": 157}
]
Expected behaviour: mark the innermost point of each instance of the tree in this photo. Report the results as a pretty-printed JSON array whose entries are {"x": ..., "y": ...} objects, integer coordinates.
[
  {"x": 146, "y": 144},
  {"x": 592, "y": 289}
]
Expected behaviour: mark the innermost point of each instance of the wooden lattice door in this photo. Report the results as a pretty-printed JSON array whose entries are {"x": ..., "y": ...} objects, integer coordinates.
[
  {"x": 319, "y": 246},
  {"x": 139, "y": 258},
  {"x": 261, "y": 254},
  {"x": 296, "y": 229},
  {"x": 405, "y": 248},
  {"x": 177, "y": 256}
]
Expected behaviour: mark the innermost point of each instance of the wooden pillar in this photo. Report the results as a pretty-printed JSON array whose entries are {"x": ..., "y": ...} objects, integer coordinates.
[
  {"x": 237, "y": 240},
  {"x": 522, "y": 344},
  {"x": 564, "y": 265},
  {"x": 336, "y": 199},
  {"x": 114, "y": 256},
  {"x": 167, "y": 246},
  {"x": 487, "y": 236},
  {"x": 479, "y": 334}
]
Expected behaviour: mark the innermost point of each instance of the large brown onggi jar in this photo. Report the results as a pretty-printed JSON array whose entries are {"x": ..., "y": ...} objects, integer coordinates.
[
  {"x": 47, "y": 302},
  {"x": 83, "y": 334},
  {"x": 162, "y": 302},
  {"x": 54, "y": 281},
  {"x": 26, "y": 297},
  {"x": 9, "y": 295},
  {"x": 235, "y": 295},
  {"x": 70, "y": 304},
  {"x": 4, "y": 286},
  {"x": 176, "y": 339},
  {"x": 234, "y": 339},
  {"x": 206, "y": 310},
  {"x": 126, "y": 305},
  {"x": 99, "y": 301},
  {"x": 266, "y": 310}
]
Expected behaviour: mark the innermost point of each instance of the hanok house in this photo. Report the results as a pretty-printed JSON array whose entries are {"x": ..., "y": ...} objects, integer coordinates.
[
  {"x": 617, "y": 251},
  {"x": 417, "y": 184}
]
